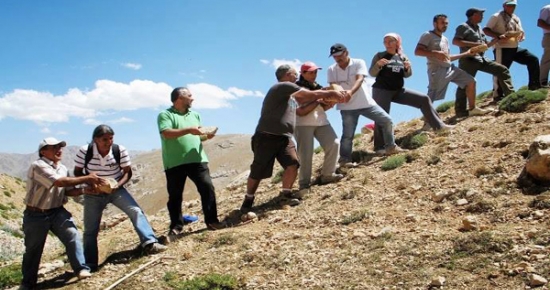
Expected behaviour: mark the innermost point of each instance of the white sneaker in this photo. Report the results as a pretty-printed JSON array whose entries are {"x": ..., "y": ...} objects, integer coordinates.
[
  {"x": 347, "y": 164},
  {"x": 476, "y": 111},
  {"x": 445, "y": 128},
  {"x": 83, "y": 274},
  {"x": 331, "y": 178}
]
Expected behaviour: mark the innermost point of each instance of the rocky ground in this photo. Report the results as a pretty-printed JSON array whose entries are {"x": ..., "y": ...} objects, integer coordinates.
[{"x": 451, "y": 216}]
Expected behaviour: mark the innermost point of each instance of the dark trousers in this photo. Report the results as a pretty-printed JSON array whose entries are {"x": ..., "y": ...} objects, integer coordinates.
[
  {"x": 506, "y": 56},
  {"x": 175, "y": 183},
  {"x": 472, "y": 66}
]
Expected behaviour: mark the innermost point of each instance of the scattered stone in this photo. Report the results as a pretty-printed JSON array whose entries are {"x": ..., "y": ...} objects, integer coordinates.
[
  {"x": 439, "y": 196},
  {"x": 249, "y": 216},
  {"x": 537, "y": 280},
  {"x": 461, "y": 202},
  {"x": 411, "y": 218},
  {"x": 438, "y": 281},
  {"x": 469, "y": 223},
  {"x": 294, "y": 202},
  {"x": 538, "y": 214},
  {"x": 539, "y": 158}
]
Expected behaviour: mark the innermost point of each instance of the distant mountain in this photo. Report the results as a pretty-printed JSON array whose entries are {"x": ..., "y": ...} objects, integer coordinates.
[{"x": 16, "y": 165}]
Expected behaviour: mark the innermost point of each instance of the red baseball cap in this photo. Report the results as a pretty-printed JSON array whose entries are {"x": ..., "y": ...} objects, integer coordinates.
[{"x": 309, "y": 66}]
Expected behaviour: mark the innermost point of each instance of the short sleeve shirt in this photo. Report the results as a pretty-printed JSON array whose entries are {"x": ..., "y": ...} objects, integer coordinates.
[
  {"x": 500, "y": 23},
  {"x": 184, "y": 149},
  {"x": 278, "y": 115},
  {"x": 545, "y": 16},
  {"x": 470, "y": 32},
  {"x": 106, "y": 167},
  {"x": 346, "y": 78},
  {"x": 41, "y": 193},
  {"x": 432, "y": 41}
]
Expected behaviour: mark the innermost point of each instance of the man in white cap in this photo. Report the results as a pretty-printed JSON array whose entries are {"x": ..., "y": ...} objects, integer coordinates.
[
  {"x": 544, "y": 23},
  {"x": 506, "y": 27},
  {"x": 312, "y": 123},
  {"x": 48, "y": 185}
]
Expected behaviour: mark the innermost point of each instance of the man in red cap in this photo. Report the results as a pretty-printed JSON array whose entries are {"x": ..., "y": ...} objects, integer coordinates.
[{"x": 312, "y": 122}]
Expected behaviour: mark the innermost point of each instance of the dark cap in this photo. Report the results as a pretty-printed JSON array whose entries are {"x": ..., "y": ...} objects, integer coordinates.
[
  {"x": 473, "y": 10},
  {"x": 337, "y": 49}
]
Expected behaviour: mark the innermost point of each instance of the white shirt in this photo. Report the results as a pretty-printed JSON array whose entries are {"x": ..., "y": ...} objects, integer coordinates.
[
  {"x": 105, "y": 167},
  {"x": 497, "y": 24},
  {"x": 317, "y": 117},
  {"x": 346, "y": 78}
]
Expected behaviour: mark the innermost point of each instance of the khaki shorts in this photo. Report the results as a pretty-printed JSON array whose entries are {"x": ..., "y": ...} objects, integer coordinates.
[{"x": 267, "y": 148}]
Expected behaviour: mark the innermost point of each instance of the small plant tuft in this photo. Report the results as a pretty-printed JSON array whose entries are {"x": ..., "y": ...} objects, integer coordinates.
[
  {"x": 205, "y": 282},
  {"x": 393, "y": 162},
  {"x": 10, "y": 276},
  {"x": 433, "y": 160},
  {"x": 356, "y": 216},
  {"x": 444, "y": 107},
  {"x": 318, "y": 150},
  {"x": 518, "y": 101},
  {"x": 278, "y": 176}
]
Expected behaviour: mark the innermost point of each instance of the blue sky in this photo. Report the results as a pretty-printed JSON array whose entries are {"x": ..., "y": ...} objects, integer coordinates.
[{"x": 67, "y": 66}]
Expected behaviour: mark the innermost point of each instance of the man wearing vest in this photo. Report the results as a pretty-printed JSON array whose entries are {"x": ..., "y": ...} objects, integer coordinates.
[
  {"x": 48, "y": 185},
  {"x": 506, "y": 27}
]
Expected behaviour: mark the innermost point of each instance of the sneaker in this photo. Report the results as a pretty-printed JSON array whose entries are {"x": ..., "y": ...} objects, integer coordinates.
[
  {"x": 331, "y": 178},
  {"x": 426, "y": 127},
  {"x": 445, "y": 128},
  {"x": 247, "y": 204},
  {"x": 216, "y": 226},
  {"x": 478, "y": 112},
  {"x": 380, "y": 152},
  {"x": 154, "y": 248},
  {"x": 395, "y": 150},
  {"x": 347, "y": 164},
  {"x": 83, "y": 274}
]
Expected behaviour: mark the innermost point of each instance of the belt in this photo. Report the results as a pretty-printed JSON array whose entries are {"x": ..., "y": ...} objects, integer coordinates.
[{"x": 36, "y": 209}]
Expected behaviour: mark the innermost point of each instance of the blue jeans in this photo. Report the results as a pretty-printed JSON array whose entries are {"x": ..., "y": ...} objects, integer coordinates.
[
  {"x": 36, "y": 226},
  {"x": 349, "y": 124},
  {"x": 93, "y": 210}
]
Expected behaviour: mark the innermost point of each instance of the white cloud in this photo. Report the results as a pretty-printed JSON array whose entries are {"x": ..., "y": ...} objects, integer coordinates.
[
  {"x": 275, "y": 63},
  {"x": 242, "y": 93},
  {"x": 107, "y": 97},
  {"x": 121, "y": 120},
  {"x": 134, "y": 66},
  {"x": 45, "y": 130},
  {"x": 213, "y": 97}
]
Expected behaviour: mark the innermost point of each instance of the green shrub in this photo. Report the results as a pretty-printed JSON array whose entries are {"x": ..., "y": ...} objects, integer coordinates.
[
  {"x": 7, "y": 193},
  {"x": 393, "y": 162},
  {"x": 518, "y": 101},
  {"x": 10, "y": 276},
  {"x": 225, "y": 239},
  {"x": 278, "y": 176},
  {"x": 444, "y": 107},
  {"x": 414, "y": 141},
  {"x": 484, "y": 95},
  {"x": 318, "y": 150},
  {"x": 206, "y": 282},
  {"x": 356, "y": 216},
  {"x": 3, "y": 207}
]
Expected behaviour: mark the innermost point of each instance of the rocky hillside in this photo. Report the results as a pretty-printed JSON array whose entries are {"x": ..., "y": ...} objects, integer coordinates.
[{"x": 450, "y": 216}]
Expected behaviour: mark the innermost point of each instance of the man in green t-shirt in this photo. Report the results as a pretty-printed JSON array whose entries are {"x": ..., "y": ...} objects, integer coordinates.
[{"x": 183, "y": 156}]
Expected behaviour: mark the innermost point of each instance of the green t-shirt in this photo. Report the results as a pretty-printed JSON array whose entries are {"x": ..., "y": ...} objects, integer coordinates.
[{"x": 184, "y": 149}]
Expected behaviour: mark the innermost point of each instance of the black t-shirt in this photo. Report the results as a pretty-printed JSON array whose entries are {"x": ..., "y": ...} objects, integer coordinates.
[
  {"x": 391, "y": 76},
  {"x": 278, "y": 115}
]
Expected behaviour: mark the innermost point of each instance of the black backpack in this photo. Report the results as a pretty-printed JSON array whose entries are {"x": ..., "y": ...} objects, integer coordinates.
[{"x": 90, "y": 154}]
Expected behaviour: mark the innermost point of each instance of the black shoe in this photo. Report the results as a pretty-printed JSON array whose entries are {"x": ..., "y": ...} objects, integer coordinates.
[
  {"x": 461, "y": 114},
  {"x": 247, "y": 204}
]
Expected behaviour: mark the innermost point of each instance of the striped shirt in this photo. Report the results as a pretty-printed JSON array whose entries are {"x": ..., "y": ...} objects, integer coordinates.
[
  {"x": 105, "y": 167},
  {"x": 41, "y": 192}
]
